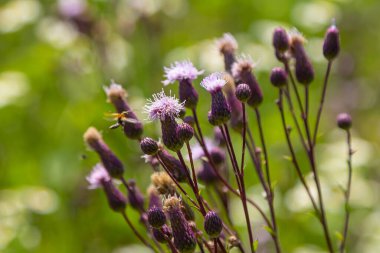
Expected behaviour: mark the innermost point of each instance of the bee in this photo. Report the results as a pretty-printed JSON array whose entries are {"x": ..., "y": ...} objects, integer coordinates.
[{"x": 121, "y": 119}]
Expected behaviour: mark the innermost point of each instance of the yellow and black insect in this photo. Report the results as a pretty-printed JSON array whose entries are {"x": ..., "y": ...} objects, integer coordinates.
[{"x": 121, "y": 119}]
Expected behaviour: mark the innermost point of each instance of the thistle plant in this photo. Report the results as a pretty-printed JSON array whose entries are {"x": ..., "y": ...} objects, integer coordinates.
[{"x": 177, "y": 203}]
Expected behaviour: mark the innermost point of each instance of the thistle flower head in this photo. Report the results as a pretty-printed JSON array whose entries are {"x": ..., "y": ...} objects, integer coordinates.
[
  {"x": 280, "y": 39},
  {"x": 213, "y": 224},
  {"x": 243, "y": 64},
  {"x": 163, "y": 107},
  {"x": 156, "y": 217},
  {"x": 227, "y": 43},
  {"x": 180, "y": 70},
  {"x": 296, "y": 37},
  {"x": 163, "y": 183},
  {"x": 331, "y": 44},
  {"x": 98, "y": 176},
  {"x": 114, "y": 90},
  {"x": 344, "y": 121},
  {"x": 213, "y": 82}
]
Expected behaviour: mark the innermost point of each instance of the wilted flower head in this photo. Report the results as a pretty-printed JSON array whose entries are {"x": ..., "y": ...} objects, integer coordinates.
[
  {"x": 163, "y": 107},
  {"x": 114, "y": 90},
  {"x": 213, "y": 82},
  {"x": 243, "y": 64},
  {"x": 98, "y": 176},
  {"x": 227, "y": 43},
  {"x": 180, "y": 70},
  {"x": 163, "y": 183}
]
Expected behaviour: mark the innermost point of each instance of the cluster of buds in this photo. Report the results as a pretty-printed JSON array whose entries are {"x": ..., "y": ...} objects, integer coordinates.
[{"x": 174, "y": 198}]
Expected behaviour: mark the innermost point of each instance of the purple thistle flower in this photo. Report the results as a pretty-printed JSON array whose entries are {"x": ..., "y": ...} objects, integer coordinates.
[
  {"x": 181, "y": 70},
  {"x": 242, "y": 72},
  {"x": 214, "y": 82},
  {"x": 206, "y": 173},
  {"x": 163, "y": 234},
  {"x": 152, "y": 160},
  {"x": 163, "y": 107},
  {"x": 97, "y": 177},
  {"x": 116, "y": 95},
  {"x": 280, "y": 40},
  {"x": 110, "y": 161},
  {"x": 166, "y": 109},
  {"x": 154, "y": 197},
  {"x": 220, "y": 110}
]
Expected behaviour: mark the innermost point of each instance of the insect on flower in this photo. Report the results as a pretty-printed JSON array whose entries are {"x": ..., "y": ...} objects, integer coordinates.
[{"x": 120, "y": 118}]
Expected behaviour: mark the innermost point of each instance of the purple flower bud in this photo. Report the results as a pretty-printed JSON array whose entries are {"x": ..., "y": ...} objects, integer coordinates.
[
  {"x": 135, "y": 197},
  {"x": 173, "y": 165},
  {"x": 344, "y": 121},
  {"x": 213, "y": 225},
  {"x": 149, "y": 146},
  {"x": 206, "y": 173},
  {"x": 154, "y": 197},
  {"x": 163, "y": 234},
  {"x": 156, "y": 217},
  {"x": 169, "y": 135},
  {"x": 280, "y": 40},
  {"x": 217, "y": 156},
  {"x": 110, "y": 161},
  {"x": 220, "y": 110},
  {"x": 132, "y": 127},
  {"x": 185, "y": 132},
  {"x": 242, "y": 71},
  {"x": 303, "y": 68},
  {"x": 189, "y": 120},
  {"x": 184, "y": 238},
  {"x": 278, "y": 77},
  {"x": 331, "y": 45},
  {"x": 243, "y": 92}
]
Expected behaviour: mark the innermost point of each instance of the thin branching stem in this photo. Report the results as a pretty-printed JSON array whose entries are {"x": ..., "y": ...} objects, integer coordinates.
[
  {"x": 321, "y": 103},
  {"x": 347, "y": 193}
]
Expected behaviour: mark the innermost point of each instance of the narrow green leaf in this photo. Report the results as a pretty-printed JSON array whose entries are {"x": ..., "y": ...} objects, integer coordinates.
[
  {"x": 339, "y": 236},
  {"x": 255, "y": 244},
  {"x": 270, "y": 231}
]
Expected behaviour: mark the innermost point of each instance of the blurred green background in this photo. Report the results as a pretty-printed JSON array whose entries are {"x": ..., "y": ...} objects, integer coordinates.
[{"x": 56, "y": 56}]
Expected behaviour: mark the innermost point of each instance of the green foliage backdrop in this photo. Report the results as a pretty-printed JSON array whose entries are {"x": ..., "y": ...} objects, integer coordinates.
[{"x": 51, "y": 79}]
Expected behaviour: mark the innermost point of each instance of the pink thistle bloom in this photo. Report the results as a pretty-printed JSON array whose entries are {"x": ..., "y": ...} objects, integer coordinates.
[
  {"x": 243, "y": 63},
  {"x": 180, "y": 70},
  {"x": 163, "y": 107},
  {"x": 97, "y": 177},
  {"x": 213, "y": 82}
]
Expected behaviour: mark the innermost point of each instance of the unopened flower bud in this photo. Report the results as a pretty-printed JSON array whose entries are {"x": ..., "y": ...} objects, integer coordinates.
[
  {"x": 189, "y": 120},
  {"x": 344, "y": 121},
  {"x": 278, "y": 77},
  {"x": 163, "y": 234},
  {"x": 217, "y": 156},
  {"x": 116, "y": 199},
  {"x": 156, "y": 217},
  {"x": 110, "y": 161},
  {"x": 331, "y": 44},
  {"x": 173, "y": 165},
  {"x": 135, "y": 197},
  {"x": 149, "y": 146},
  {"x": 185, "y": 132},
  {"x": 213, "y": 225},
  {"x": 206, "y": 173},
  {"x": 243, "y": 92},
  {"x": 280, "y": 40}
]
